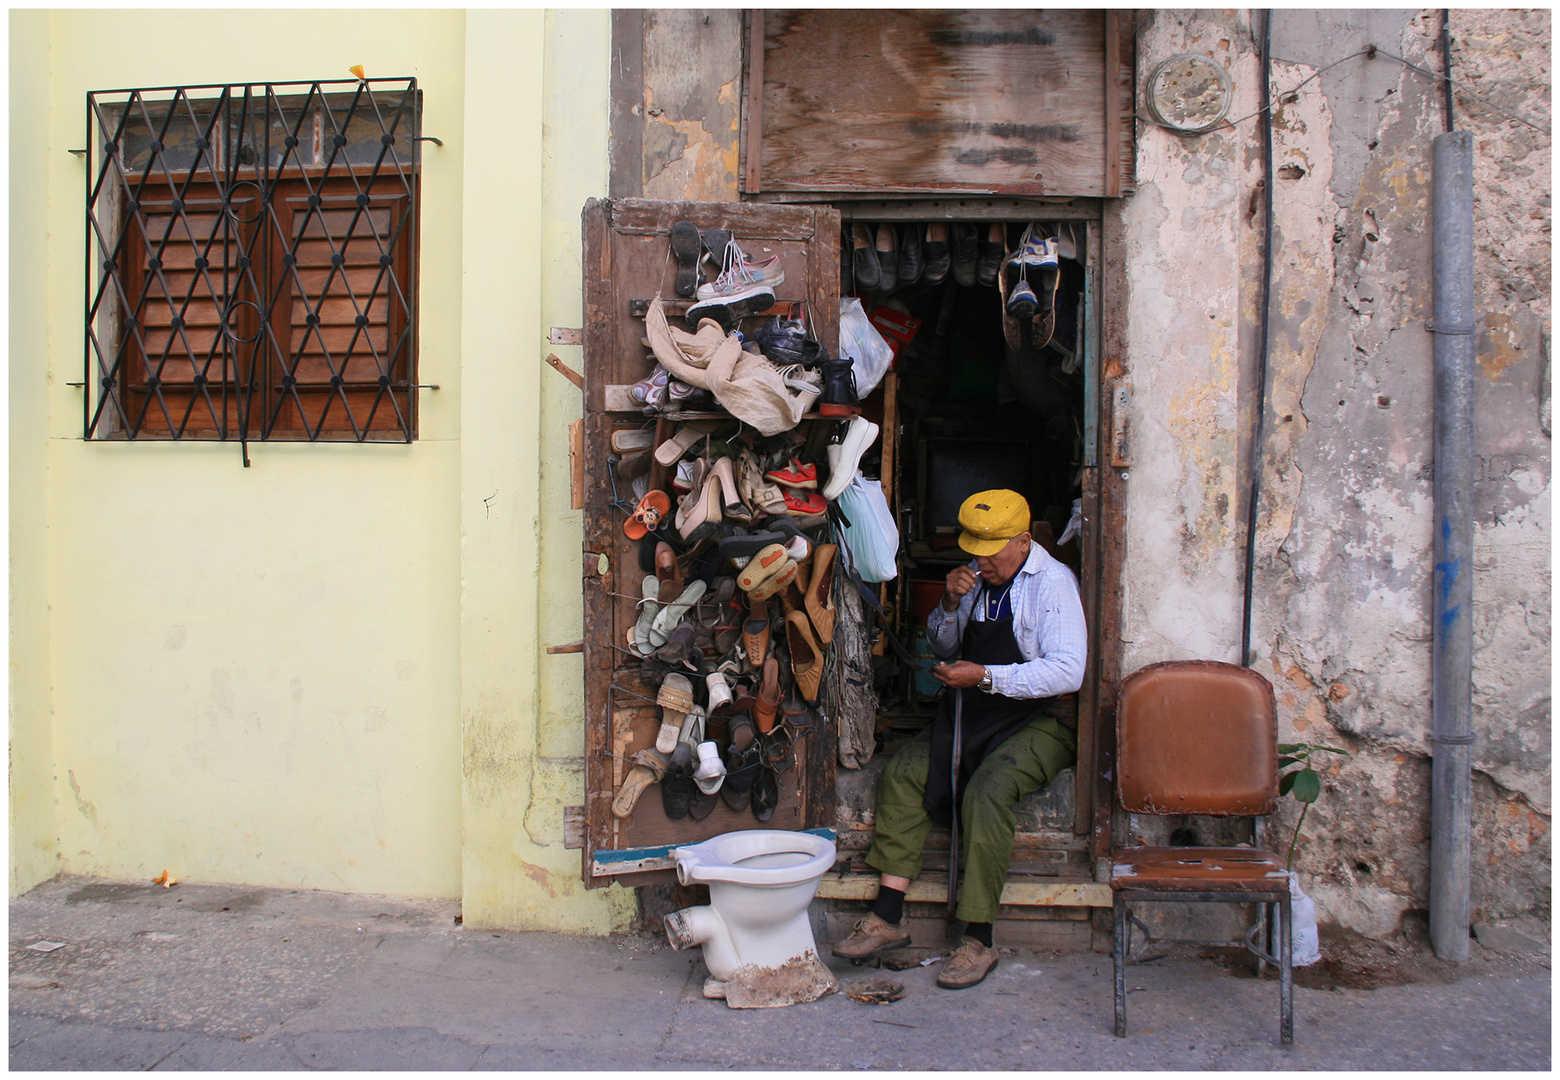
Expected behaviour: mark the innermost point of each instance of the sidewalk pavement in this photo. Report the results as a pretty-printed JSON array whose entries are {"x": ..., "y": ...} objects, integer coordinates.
[{"x": 231, "y": 977}]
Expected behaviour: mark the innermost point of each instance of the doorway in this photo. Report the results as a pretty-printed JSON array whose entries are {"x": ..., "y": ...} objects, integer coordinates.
[{"x": 970, "y": 405}]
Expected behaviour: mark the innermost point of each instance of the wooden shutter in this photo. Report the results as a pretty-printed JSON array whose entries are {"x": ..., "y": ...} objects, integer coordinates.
[
  {"x": 1032, "y": 101},
  {"x": 627, "y": 263},
  {"x": 341, "y": 322},
  {"x": 183, "y": 268}
]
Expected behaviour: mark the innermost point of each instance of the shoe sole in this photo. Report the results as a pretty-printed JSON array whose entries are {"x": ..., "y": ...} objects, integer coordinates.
[
  {"x": 966, "y": 986},
  {"x": 730, "y": 310},
  {"x": 685, "y": 248}
]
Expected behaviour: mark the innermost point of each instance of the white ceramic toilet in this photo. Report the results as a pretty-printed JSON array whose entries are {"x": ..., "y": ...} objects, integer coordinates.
[{"x": 760, "y": 881}]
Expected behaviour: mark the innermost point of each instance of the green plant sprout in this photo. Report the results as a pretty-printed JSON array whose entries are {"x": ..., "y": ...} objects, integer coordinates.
[{"x": 1303, "y": 782}]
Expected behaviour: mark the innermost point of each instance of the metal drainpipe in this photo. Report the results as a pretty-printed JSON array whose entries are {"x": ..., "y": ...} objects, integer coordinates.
[
  {"x": 1259, "y": 426},
  {"x": 1451, "y": 730}
]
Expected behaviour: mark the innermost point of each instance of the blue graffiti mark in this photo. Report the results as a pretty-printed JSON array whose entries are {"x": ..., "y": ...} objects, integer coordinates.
[
  {"x": 1449, "y": 616},
  {"x": 1450, "y": 571},
  {"x": 1446, "y": 530}
]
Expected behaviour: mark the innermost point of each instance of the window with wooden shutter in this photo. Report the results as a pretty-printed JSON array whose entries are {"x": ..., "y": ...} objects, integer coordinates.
[{"x": 254, "y": 270}]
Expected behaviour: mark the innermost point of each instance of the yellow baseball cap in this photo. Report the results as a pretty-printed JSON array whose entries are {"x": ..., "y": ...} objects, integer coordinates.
[{"x": 990, "y": 519}]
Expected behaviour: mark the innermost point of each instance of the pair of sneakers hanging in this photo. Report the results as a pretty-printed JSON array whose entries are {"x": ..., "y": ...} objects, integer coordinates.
[
  {"x": 1037, "y": 256},
  {"x": 743, "y": 286}
]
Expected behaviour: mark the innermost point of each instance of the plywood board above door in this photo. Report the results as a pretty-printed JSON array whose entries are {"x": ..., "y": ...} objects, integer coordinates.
[{"x": 1016, "y": 102}]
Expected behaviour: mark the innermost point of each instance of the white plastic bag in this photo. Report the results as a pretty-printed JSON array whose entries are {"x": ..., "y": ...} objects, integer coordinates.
[
  {"x": 1303, "y": 937},
  {"x": 871, "y": 535},
  {"x": 871, "y": 356}
]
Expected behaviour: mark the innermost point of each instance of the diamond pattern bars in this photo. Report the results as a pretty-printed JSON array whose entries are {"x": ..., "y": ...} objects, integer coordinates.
[{"x": 253, "y": 253}]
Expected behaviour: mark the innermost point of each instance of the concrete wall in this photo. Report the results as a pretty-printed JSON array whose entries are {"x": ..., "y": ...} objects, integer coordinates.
[
  {"x": 34, "y": 832},
  {"x": 249, "y": 673},
  {"x": 322, "y": 671},
  {"x": 1344, "y": 545},
  {"x": 521, "y": 709}
]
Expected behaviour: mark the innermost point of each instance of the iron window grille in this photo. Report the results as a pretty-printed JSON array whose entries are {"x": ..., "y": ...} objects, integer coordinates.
[{"x": 252, "y": 262}]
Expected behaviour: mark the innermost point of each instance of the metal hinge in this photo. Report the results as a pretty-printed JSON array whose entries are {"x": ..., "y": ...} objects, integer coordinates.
[
  {"x": 1120, "y": 423},
  {"x": 574, "y": 827}
]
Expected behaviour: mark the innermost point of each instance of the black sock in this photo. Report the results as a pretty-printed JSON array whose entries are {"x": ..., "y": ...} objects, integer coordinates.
[
  {"x": 980, "y": 931},
  {"x": 889, "y": 905}
]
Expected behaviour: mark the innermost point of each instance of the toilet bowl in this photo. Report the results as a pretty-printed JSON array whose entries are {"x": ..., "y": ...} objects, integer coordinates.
[{"x": 760, "y": 881}]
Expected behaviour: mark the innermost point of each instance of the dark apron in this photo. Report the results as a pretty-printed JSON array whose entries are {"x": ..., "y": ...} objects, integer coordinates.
[{"x": 987, "y": 720}]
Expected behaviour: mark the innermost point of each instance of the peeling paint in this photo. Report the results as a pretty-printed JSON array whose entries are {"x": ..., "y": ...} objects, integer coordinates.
[{"x": 1345, "y": 566}]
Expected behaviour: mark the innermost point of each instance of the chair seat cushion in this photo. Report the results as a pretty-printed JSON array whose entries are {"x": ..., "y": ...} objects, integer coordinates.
[{"x": 1199, "y": 869}]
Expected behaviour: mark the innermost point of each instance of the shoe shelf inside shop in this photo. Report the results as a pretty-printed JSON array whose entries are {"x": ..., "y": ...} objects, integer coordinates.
[
  {"x": 977, "y": 401},
  {"x": 629, "y": 253}
]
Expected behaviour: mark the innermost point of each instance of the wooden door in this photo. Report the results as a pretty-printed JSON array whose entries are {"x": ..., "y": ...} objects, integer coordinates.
[{"x": 627, "y": 262}]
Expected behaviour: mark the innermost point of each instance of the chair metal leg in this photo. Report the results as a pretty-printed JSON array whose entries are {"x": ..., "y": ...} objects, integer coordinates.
[
  {"x": 1122, "y": 929},
  {"x": 1286, "y": 987},
  {"x": 1262, "y": 919}
]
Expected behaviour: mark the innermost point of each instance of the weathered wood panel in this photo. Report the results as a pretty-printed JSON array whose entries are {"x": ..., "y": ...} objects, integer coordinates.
[
  {"x": 893, "y": 100},
  {"x": 626, "y": 258}
]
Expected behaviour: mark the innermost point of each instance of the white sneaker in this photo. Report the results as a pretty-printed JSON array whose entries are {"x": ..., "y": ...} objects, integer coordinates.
[
  {"x": 742, "y": 289},
  {"x": 740, "y": 273},
  {"x": 844, "y": 454}
]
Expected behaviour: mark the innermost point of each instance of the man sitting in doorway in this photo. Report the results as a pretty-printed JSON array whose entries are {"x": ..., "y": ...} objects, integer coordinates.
[{"x": 1010, "y": 628}]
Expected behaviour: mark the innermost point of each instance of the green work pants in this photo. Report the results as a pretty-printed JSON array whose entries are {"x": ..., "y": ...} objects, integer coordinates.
[{"x": 1023, "y": 764}]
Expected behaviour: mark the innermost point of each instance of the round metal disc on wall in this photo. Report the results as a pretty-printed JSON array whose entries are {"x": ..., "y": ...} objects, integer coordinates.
[{"x": 1188, "y": 93}]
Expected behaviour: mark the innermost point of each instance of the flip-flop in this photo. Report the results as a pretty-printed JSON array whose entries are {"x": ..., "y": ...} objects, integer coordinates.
[
  {"x": 675, "y": 698},
  {"x": 648, "y": 768},
  {"x": 677, "y": 445},
  {"x": 648, "y": 610},
  {"x": 675, "y": 612},
  {"x": 647, "y": 516},
  {"x": 685, "y": 249},
  {"x": 766, "y": 794},
  {"x": 778, "y": 752},
  {"x": 703, "y": 804},
  {"x": 677, "y": 786},
  {"x": 742, "y": 769}
]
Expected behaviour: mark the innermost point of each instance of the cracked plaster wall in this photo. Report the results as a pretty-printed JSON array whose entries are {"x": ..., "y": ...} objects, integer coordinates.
[
  {"x": 692, "y": 104},
  {"x": 1341, "y": 621}
]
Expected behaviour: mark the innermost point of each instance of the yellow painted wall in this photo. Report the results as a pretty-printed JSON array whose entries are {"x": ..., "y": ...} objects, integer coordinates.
[
  {"x": 33, "y": 832},
  {"x": 521, "y": 709},
  {"x": 254, "y": 671},
  {"x": 325, "y": 670}
]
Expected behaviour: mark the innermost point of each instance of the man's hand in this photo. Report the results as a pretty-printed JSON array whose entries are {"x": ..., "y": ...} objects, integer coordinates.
[
  {"x": 959, "y": 673},
  {"x": 961, "y": 579}
]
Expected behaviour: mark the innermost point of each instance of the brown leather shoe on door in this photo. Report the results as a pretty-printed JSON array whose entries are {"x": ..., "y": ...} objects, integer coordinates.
[
  {"x": 969, "y": 964},
  {"x": 871, "y": 936}
]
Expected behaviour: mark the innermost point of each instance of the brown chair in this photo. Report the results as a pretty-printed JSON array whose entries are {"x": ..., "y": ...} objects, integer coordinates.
[{"x": 1200, "y": 737}]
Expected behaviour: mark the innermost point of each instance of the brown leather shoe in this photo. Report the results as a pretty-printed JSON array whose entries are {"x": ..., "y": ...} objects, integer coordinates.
[
  {"x": 871, "y": 936},
  {"x": 969, "y": 964}
]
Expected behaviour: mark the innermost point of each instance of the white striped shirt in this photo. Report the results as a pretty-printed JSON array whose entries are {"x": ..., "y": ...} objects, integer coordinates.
[{"x": 1047, "y": 625}]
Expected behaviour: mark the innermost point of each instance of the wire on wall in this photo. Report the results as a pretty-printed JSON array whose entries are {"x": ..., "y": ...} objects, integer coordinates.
[{"x": 1370, "y": 52}]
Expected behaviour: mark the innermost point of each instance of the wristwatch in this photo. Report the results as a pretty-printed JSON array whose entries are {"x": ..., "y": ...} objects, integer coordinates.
[{"x": 985, "y": 682}]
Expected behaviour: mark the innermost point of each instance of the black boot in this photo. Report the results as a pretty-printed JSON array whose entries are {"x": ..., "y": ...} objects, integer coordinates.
[{"x": 839, "y": 389}]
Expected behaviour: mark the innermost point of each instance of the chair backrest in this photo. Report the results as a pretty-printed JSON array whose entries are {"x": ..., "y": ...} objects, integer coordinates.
[{"x": 1196, "y": 737}]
